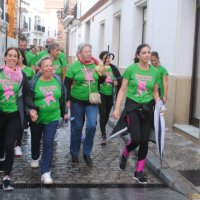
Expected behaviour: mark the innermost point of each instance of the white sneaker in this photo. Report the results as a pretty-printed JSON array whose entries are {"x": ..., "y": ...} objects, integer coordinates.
[
  {"x": 46, "y": 178},
  {"x": 18, "y": 151},
  {"x": 35, "y": 163}
]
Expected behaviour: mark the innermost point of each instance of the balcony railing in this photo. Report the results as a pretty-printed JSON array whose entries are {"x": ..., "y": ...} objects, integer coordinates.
[
  {"x": 24, "y": 25},
  {"x": 69, "y": 12},
  {"x": 39, "y": 28},
  {"x": 68, "y": 9}
]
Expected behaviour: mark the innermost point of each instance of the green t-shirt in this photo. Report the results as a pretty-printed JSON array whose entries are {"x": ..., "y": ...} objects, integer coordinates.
[
  {"x": 140, "y": 83},
  {"x": 81, "y": 77},
  {"x": 30, "y": 58},
  {"x": 107, "y": 87},
  {"x": 161, "y": 73},
  {"x": 46, "y": 98},
  {"x": 29, "y": 72},
  {"x": 8, "y": 94},
  {"x": 45, "y": 53},
  {"x": 58, "y": 65}
]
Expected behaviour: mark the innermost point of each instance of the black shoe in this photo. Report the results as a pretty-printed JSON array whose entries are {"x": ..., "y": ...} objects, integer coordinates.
[
  {"x": 139, "y": 176},
  {"x": 88, "y": 160},
  {"x": 75, "y": 159},
  {"x": 123, "y": 161},
  {"x": 7, "y": 185}
]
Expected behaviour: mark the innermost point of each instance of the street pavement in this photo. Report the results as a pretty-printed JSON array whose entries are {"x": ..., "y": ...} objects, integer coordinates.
[
  {"x": 105, "y": 160},
  {"x": 92, "y": 194},
  {"x": 103, "y": 181}
]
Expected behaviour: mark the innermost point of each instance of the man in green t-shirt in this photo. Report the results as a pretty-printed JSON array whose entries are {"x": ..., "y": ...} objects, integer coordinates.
[{"x": 30, "y": 58}]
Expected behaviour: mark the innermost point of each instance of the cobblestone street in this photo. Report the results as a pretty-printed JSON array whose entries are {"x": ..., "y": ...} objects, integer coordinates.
[{"x": 105, "y": 160}]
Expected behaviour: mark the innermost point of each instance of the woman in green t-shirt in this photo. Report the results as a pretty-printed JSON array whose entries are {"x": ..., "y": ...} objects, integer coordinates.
[
  {"x": 108, "y": 91},
  {"x": 24, "y": 67},
  {"x": 29, "y": 74},
  {"x": 59, "y": 64},
  {"x": 163, "y": 76},
  {"x": 139, "y": 84},
  {"x": 14, "y": 95},
  {"x": 81, "y": 75},
  {"x": 50, "y": 99}
]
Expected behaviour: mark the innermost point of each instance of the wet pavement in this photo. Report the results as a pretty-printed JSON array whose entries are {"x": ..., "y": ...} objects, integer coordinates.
[
  {"x": 92, "y": 194},
  {"x": 82, "y": 182},
  {"x": 105, "y": 160},
  {"x": 180, "y": 168}
]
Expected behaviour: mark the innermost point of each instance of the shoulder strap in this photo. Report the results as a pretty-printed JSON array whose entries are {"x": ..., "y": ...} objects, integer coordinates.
[
  {"x": 88, "y": 77},
  {"x": 60, "y": 60}
]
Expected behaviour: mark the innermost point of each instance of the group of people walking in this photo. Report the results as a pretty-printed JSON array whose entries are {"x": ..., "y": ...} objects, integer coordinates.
[{"x": 42, "y": 94}]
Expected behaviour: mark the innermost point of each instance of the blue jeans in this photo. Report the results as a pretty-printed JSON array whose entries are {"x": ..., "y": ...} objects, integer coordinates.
[
  {"x": 48, "y": 131},
  {"x": 79, "y": 111}
]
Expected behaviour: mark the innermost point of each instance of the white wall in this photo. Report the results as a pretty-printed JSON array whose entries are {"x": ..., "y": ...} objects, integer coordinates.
[
  {"x": 170, "y": 31},
  {"x": 85, "y": 5},
  {"x": 125, "y": 8}
]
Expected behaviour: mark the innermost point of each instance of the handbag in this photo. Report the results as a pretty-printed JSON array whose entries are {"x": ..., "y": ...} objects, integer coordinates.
[{"x": 94, "y": 97}]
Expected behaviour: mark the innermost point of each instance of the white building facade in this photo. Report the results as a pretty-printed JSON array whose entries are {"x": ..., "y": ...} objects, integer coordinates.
[{"x": 169, "y": 27}]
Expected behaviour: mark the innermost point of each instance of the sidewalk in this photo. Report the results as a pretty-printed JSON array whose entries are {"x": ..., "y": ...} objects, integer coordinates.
[{"x": 181, "y": 157}]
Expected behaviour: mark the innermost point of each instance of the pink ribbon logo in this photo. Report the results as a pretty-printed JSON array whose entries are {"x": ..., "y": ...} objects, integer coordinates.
[
  {"x": 88, "y": 76},
  {"x": 108, "y": 79},
  {"x": 142, "y": 87},
  {"x": 8, "y": 91},
  {"x": 49, "y": 97}
]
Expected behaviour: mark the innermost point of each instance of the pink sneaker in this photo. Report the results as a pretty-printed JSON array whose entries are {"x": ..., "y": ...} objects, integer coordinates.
[{"x": 103, "y": 141}]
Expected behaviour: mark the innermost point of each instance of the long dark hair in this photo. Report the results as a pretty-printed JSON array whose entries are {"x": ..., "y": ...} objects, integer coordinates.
[
  {"x": 138, "y": 50},
  {"x": 155, "y": 53},
  {"x": 23, "y": 56}
]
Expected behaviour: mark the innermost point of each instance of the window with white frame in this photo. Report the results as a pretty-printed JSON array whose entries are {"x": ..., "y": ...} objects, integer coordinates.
[
  {"x": 87, "y": 31},
  {"x": 101, "y": 36}
]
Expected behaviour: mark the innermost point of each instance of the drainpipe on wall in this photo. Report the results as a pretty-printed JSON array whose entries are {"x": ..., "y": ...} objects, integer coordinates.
[{"x": 20, "y": 11}]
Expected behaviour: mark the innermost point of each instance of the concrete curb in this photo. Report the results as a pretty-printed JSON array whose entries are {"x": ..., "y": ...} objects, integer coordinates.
[{"x": 171, "y": 177}]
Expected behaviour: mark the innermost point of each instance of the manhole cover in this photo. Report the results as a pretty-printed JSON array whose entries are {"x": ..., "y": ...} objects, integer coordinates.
[{"x": 192, "y": 176}]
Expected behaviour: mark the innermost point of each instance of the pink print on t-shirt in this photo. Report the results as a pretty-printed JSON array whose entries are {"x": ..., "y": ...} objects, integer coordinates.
[
  {"x": 49, "y": 97},
  {"x": 8, "y": 91},
  {"x": 88, "y": 76},
  {"x": 108, "y": 79},
  {"x": 142, "y": 87}
]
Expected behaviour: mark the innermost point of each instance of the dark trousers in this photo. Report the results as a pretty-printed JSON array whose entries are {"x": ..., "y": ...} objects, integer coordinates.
[
  {"x": 10, "y": 127},
  {"x": 48, "y": 132},
  {"x": 139, "y": 128},
  {"x": 104, "y": 112},
  {"x": 20, "y": 136}
]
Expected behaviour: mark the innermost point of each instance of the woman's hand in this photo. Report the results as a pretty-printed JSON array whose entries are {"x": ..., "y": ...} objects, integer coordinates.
[
  {"x": 68, "y": 104},
  {"x": 161, "y": 106},
  {"x": 33, "y": 115},
  {"x": 100, "y": 69},
  {"x": 65, "y": 117},
  {"x": 164, "y": 99},
  {"x": 116, "y": 113},
  {"x": 115, "y": 83}
]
